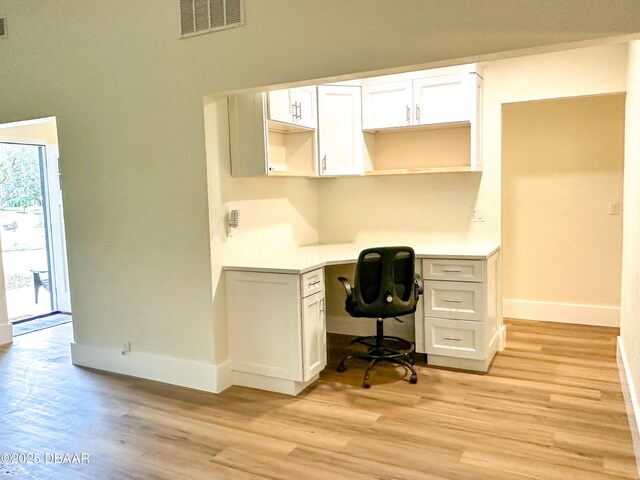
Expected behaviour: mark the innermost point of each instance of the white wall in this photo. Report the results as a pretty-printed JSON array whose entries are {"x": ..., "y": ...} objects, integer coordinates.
[
  {"x": 420, "y": 208},
  {"x": 630, "y": 310},
  {"x": 128, "y": 97}
]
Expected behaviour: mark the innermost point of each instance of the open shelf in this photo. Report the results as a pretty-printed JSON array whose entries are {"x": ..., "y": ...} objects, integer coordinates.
[
  {"x": 292, "y": 150},
  {"x": 415, "y": 128},
  {"x": 425, "y": 150},
  {"x": 405, "y": 171}
]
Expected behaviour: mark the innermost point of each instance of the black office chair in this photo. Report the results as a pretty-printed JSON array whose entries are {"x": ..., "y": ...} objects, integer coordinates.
[{"x": 385, "y": 286}]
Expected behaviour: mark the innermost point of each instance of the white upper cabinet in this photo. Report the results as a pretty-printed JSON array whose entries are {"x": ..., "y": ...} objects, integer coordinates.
[
  {"x": 296, "y": 106},
  {"x": 341, "y": 143},
  {"x": 431, "y": 97},
  {"x": 280, "y": 106},
  {"x": 265, "y": 147},
  {"x": 442, "y": 99},
  {"x": 418, "y": 122},
  {"x": 387, "y": 105},
  {"x": 305, "y": 97}
]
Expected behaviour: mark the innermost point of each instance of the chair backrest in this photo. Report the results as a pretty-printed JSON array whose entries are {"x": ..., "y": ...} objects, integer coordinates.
[{"x": 384, "y": 284}]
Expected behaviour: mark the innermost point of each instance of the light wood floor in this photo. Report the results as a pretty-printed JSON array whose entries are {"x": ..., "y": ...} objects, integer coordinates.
[{"x": 550, "y": 408}]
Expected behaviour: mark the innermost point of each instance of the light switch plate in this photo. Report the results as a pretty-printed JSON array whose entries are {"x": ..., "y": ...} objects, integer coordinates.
[{"x": 477, "y": 214}]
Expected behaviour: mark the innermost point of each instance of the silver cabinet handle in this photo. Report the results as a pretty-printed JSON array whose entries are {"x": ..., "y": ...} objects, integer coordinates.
[
  {"x": 451, "y": 270},
  {"x": 457, "y": 339},
  {"x": 324, "y": 163},
  {"x": 408, "y": 114},
  {"x": 313, "y": 284},
  {"x": 417, "y": 113},
  {"x": 452, "y": 300},
  {"x": 322, "y": 306},
  {"x": 296, "y": 111}
]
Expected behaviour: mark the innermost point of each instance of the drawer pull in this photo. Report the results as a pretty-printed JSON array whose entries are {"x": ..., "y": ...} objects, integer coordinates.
[
  {"x": 313, "y": 284},
  {"x": 448, "y": 337},
  {"x": 452, "y": 300},
  {"x": 451, "y": 270}
]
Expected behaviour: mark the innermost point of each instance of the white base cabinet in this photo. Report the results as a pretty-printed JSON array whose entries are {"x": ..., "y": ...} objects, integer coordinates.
[
  {"x": 462, "y": 314},
  {"x": 314, "y": 336},
  {"x": 276, "y": 328}
]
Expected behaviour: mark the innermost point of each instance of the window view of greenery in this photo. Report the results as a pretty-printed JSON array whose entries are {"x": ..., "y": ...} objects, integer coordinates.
[{"x": 22, "y": 220}]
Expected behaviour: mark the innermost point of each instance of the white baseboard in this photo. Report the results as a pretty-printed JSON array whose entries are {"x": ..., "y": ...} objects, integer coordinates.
[
  {"x": 6, "y": 333},
  {"x": 279, "y": 385},
  {"x": 562, "y": 312},
  {"x": 176, "y": 371},
  {"x": 224, "y": 376},
  {"x": 502, "y": 338},
  {"x": 630, "y": 399}
]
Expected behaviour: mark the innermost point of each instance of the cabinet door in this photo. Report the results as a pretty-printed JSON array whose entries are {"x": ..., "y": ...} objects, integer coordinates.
[
  {"x": 306, "y": 104},
  {"x": 314, "y": 335},
  {"x": 248, "y": 136},
  {"x": 341, "y": 140},
  {"x": 264, "y": 324},
  {"x": 387, "y": 105},
  {"x": 441, "y": 99},
  {"x": 281, "y": 105}
]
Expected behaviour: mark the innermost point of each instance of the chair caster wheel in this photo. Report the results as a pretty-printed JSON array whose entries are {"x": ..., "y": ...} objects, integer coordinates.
[
  {"x": 340, "y": 368},
  {"x": 413, "y": 378},
  {"x": 366, "y": 383}
]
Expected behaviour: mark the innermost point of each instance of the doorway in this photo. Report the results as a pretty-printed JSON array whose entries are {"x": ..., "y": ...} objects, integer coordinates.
[
  {"x": 31, "y": 219},
  {"x": 562, "y": 186}
]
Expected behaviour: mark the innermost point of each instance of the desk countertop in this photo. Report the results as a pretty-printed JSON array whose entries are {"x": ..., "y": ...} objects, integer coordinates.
[{"x": 305, "y": 259}]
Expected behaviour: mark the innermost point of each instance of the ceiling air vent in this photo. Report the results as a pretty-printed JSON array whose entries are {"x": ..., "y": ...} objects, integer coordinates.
[
  {"x": 203, "y": 16},
  {"x": 3, "y": 27}
]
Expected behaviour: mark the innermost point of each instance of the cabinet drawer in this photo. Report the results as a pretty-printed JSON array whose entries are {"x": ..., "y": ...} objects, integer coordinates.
[
  {"x": 312, "y": 282},
  {"x": 455, "y": 338},
  {"x": 459, "y": 300},
  {"x": 453, "y": 270}
]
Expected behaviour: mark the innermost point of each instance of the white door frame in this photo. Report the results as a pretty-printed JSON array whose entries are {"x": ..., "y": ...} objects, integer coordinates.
[{"x": 56, "y": 240}]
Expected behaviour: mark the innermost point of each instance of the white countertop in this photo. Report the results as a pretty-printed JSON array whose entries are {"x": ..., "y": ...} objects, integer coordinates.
[{"x": 303, "y": 259}]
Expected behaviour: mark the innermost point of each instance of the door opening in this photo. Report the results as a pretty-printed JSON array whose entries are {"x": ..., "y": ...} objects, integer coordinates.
[{"x": 32, "y": 222}]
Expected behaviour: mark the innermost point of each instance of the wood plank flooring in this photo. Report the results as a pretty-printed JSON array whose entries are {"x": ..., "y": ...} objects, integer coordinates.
[{"x": 551, "y": 407}]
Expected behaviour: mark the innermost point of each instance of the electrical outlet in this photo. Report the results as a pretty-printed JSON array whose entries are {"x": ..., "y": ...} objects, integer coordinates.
[{"x": 477, "y": 214}]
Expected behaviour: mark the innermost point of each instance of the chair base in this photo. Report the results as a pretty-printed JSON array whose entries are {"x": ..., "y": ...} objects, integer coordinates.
[{"x": 378, "y": 351}]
